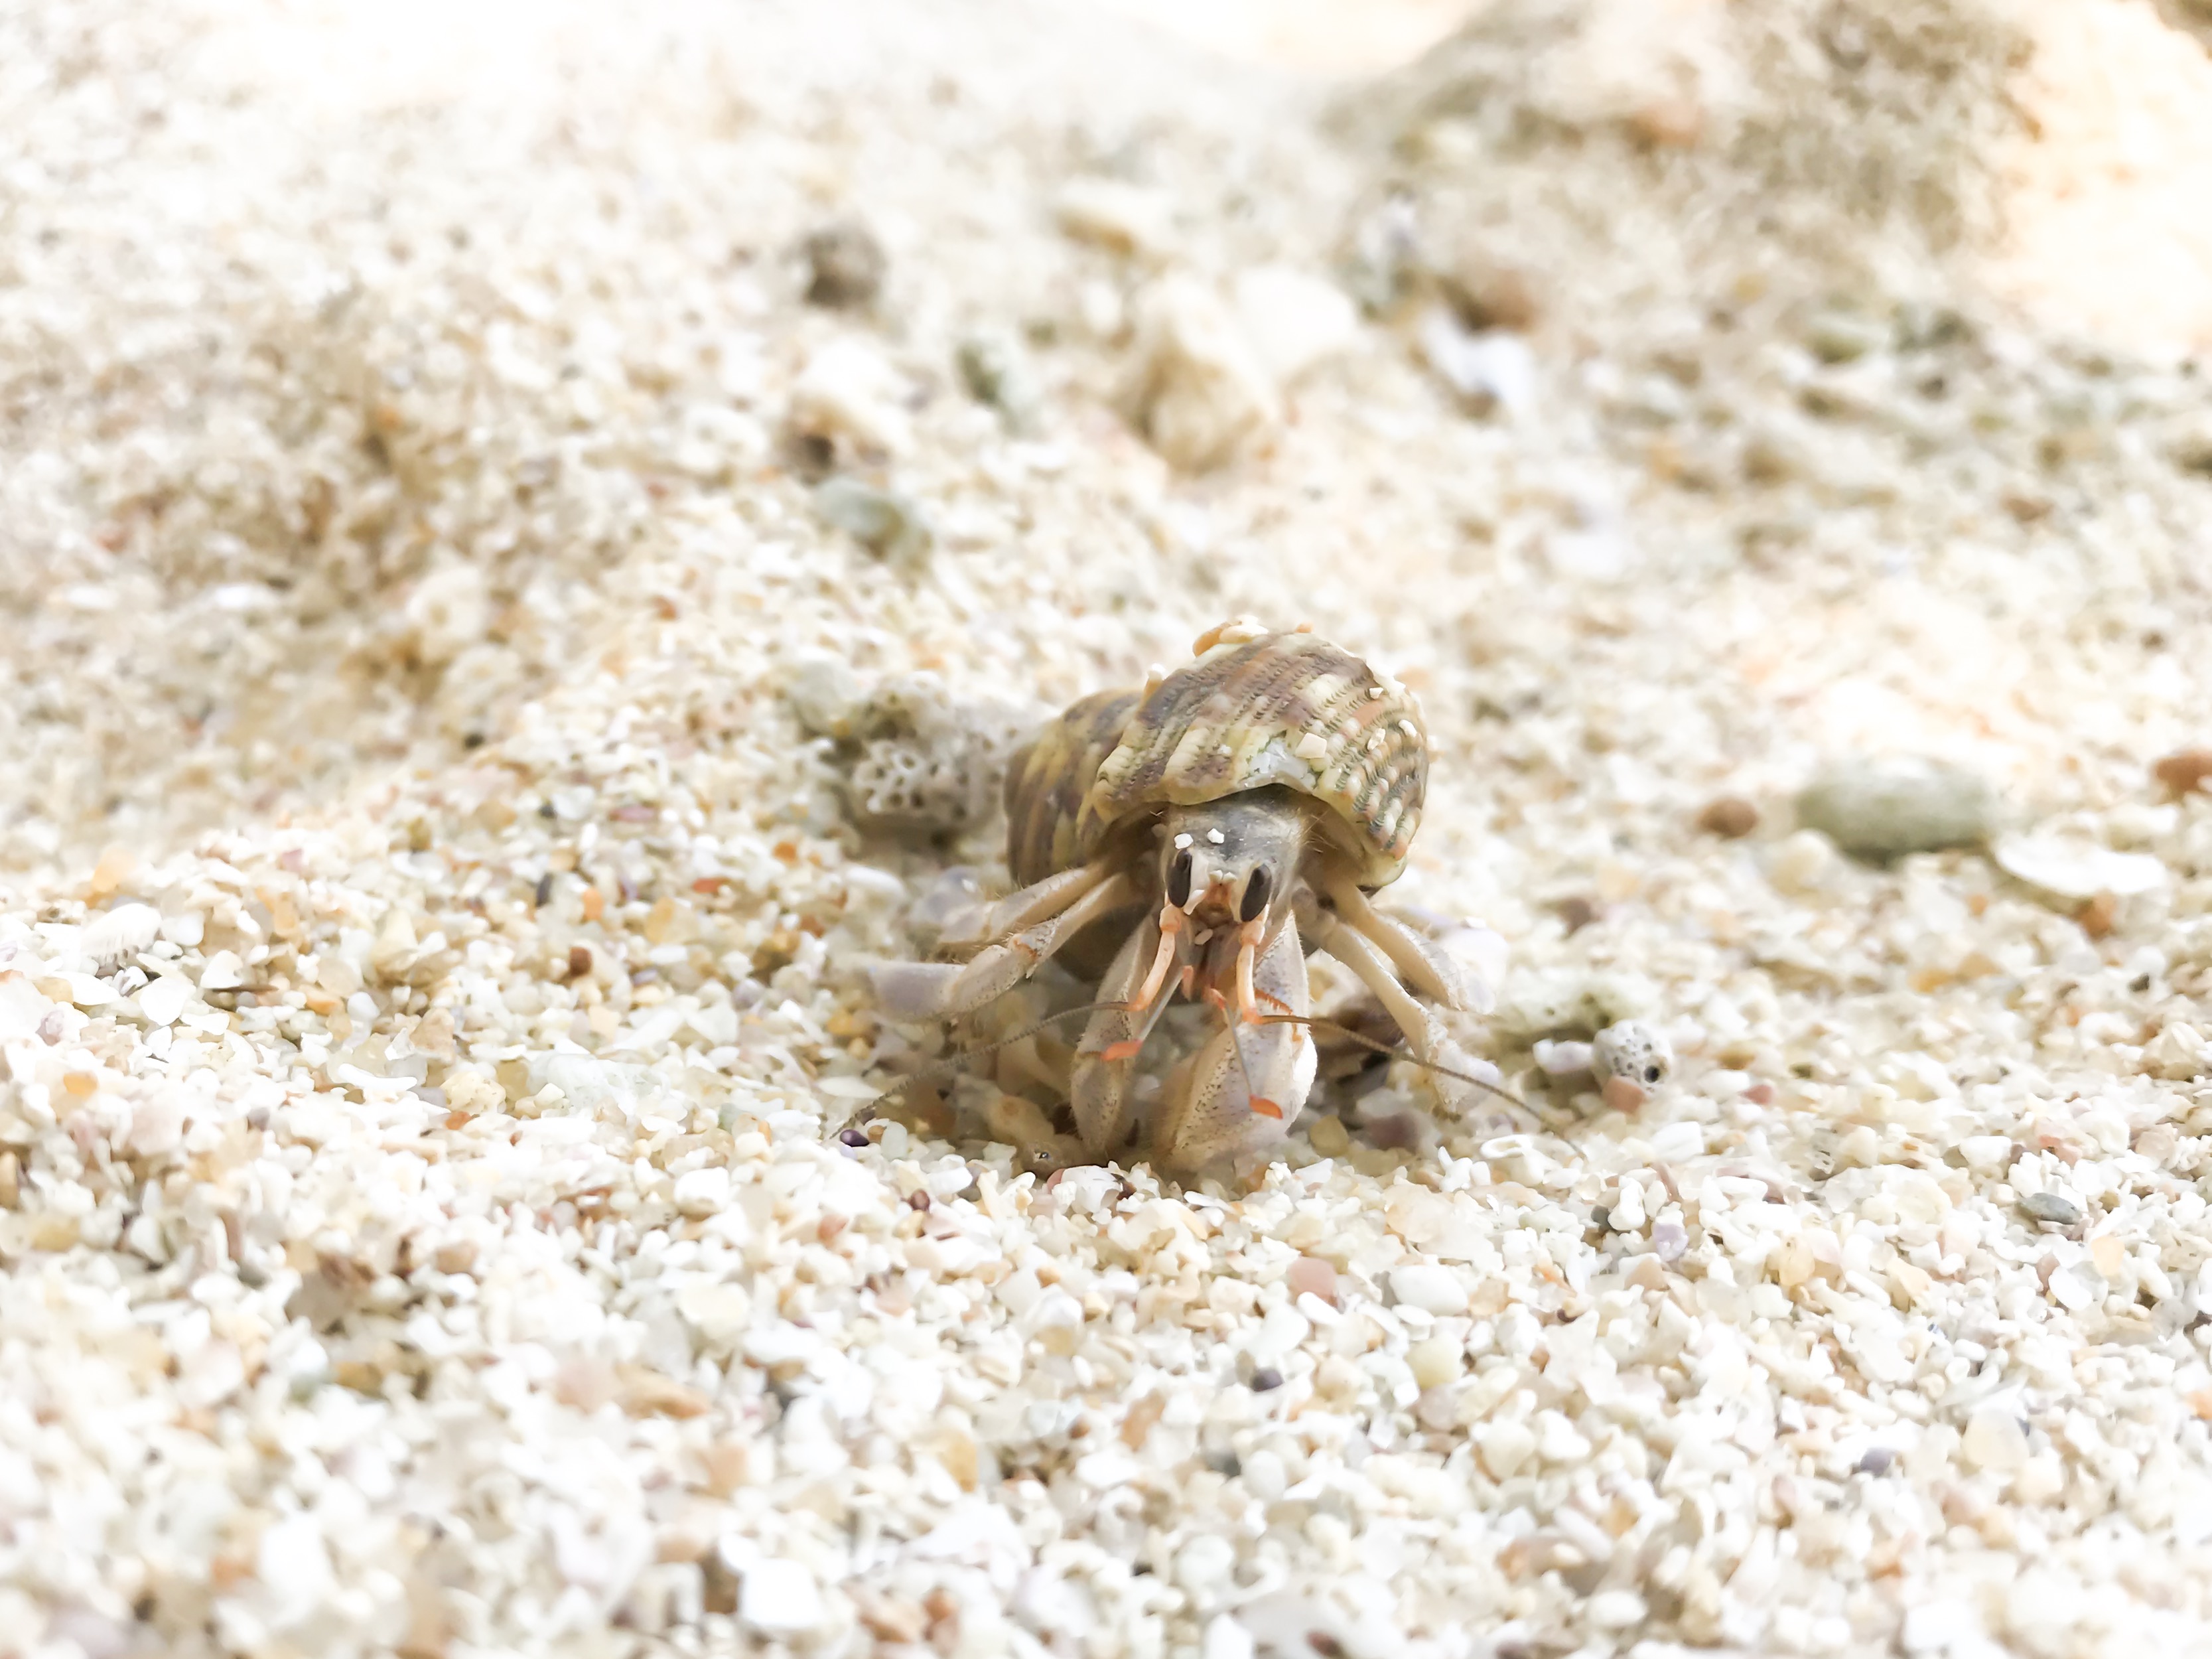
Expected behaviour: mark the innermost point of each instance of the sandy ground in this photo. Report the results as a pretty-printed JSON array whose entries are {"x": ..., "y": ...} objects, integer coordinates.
[{"x": 490, "y": 662}]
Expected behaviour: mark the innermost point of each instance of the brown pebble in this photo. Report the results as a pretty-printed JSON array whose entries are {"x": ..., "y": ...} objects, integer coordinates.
[
  {"x": 1136, "y": 1427},
  {"x": 1731, "y": 817},
  {"x": 2098, "y": 916},
  {"x": 1622, "y": 1096},
  {"x": 2185, "y": 772},
  {"x": 1760, "y": 1094},
  {"x": 579, "y": 961},
  {"x": 1576, "y": 912},
  {"x": 1486, "y": 296},
  {"x": 845, "y": 265},
  {"x": 1395, "y": 1132}
]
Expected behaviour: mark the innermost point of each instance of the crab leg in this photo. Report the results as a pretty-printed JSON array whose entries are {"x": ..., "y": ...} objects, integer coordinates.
[
  {"x": 1351, "y": 947},
  {"x": 1249, "y": 1084},
  {"x": 1417, "y": 961},
  {"x": 978, "y": 925},
  {"x": 1099, "y": 1092},
  {"x": 939, "y": 991}
]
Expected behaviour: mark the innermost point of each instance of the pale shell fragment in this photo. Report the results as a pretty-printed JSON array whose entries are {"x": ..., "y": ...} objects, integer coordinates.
[{"x": 2078, "y": 869}]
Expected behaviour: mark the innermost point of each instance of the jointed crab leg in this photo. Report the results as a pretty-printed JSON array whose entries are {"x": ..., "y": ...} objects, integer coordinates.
[
  {"x": 1351, "y": 947},
  {"x": 1033, "y": 904},
  {"x": 1417, "y": 961},
  {"x": 1099, "y": 1091},
  {"x": 939, "y": 991}
]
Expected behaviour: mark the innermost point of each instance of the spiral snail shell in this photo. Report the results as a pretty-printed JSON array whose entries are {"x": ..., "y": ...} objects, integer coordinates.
[{"x": 1253, "y": 710}]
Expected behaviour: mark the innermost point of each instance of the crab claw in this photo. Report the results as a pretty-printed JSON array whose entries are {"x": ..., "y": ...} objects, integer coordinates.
[{"x": 1248, "y": 1084}]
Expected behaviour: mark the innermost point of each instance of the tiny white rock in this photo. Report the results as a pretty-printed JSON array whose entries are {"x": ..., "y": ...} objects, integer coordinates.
[
  {"x": 1431, "y": 1288},
  {"x": 1616, "y": 1609},
  {"x": 780, "y": 1598},
  {"x": 1294, "y": 322},
  {"x": 2077, "y": 869},
  {"x": 700, "y": 1193},
  {"x": 163, "y": 999},
  {"x": 1225, "y": 1638}
]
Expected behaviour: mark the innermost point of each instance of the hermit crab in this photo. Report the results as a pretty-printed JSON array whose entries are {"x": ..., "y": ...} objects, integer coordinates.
[{"x": 1201, "y": 835}]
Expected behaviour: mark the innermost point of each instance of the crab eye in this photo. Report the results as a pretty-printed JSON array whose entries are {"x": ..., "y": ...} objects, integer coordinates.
[
  {"x": 1179, "y": 879},
  {"x": 1651, "y": 1074},
  {"x": 1256, "y": 895}
]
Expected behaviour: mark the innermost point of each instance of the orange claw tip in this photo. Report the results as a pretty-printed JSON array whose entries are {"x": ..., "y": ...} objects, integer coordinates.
[
  {"x": 1266, "y": 1107},
  {"x": 1114, "y": 1052}
]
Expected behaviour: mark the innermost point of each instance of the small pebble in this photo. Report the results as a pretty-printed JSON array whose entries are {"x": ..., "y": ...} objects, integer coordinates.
[
  {"x": 1485, "y": 295},
  {"x": 1668, "y": 1240},
  {"x": 1311, "y": 1276},
  {"x": 2185, "y": 773},
  {"x": 1561, "y": 1057},
  {"x": 845, "y": 265},
  {"x": 824, "y": 694},
  {"x": 2077, "y": 868},
  {"x": 1265, "y": 1379},
  {"x": 1196, "y": 387},
  {"x": 1115, "y": 214},
  {"x": 1876, "y": 1460},
  {"x": 1576, "y": 912},
  {"x": 1294, "y": 322},
  {"x": 996, "y": 371},
  {"x": 2051, "y": 1208},
  {"x": 1842, "y": 337},
  {"x": 854, "y": 1137},
  {"x": 1879, "y": 810},
  {"x": 1329, "y": 1138},
  {"x": 889, "y": 524},
  {"x": 1621, "y": 1095},
  {"x": 1731, "y": 817},
  {"x": 1395, "y": 1132}
]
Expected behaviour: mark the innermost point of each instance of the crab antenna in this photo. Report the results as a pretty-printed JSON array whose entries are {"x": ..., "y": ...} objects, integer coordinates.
[{"x": 1370, "y": 1044}]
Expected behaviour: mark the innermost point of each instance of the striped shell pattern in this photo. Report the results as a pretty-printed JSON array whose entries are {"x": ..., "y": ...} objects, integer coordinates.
[
  {"x": 1289, "y": 709},
  {"x": 1047, "y": 780}
]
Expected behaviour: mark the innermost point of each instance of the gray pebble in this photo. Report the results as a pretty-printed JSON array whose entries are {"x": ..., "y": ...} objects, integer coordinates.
[
  {"x": 2189, "y": 447},
  {"x": 996, "y": 371},
  {"x": 1844, "y": 337},
  {"x": 2052, "y": 1208},
  {"x": 1669, "y": 1239},
  {"x": 889, "y": 524},
  {"x": 845, "y": 265},
  {"x": 825, "y": 693},
  {"x": 1879, "y": 810}
]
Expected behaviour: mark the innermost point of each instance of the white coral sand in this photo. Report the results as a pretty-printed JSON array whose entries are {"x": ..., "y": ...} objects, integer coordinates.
[{"x": 431, "y": 990}]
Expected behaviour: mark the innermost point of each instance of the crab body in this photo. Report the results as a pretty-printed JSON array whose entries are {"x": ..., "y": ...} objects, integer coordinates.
[{"x": 1198, "y": 838}]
